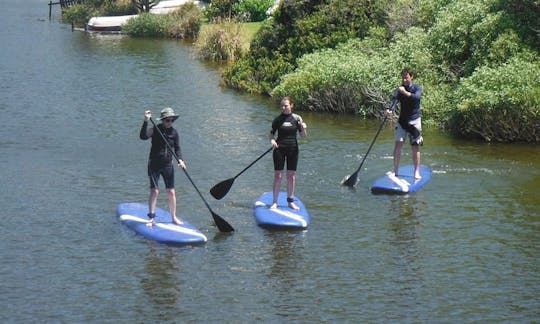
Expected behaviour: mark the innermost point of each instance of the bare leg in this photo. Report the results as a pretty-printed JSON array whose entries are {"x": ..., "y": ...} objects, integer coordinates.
[
  {"x": 397, "y": 156},
  {"x": 152, "y": 201},
  {"x": 171, "y": 193},
  {"x": 278, "y": 175},
  {"x": 416, "y": 160},
  {"x": 291, "y": 182}
]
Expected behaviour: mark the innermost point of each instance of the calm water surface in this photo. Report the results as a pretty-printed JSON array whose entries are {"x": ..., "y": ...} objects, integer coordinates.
[{"x": 464, "y": 249}]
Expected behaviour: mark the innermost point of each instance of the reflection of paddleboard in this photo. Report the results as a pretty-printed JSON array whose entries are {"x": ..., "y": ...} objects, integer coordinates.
[
  {"x": 134, "y": 216},
  {"x": 282, "y": 216},
  {"x": 403, "y": 183}
]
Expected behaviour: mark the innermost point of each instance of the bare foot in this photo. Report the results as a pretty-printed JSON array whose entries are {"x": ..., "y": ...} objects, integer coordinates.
[
  {"x": 177, "y": 221},
  {"x": 293, "y": 206},
  {"x": 273, "y": 206},
  {"x": 150, "y": 223}
]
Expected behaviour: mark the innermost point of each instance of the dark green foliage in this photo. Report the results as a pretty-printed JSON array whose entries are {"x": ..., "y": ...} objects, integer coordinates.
[
  {"x": 500, "y": 103},
  {"x": 301, "y": 27}
]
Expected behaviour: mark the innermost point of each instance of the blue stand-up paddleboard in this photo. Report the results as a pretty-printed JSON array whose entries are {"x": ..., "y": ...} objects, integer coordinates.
[
  {"x": 134, "y": 216},
  {"x": 403, "y": 183},
  {"x": 281, "y": 217}
]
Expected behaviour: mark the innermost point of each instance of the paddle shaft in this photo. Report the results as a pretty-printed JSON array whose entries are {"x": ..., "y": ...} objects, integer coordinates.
[
  {"x": 371, "y": 145},
  {"x": 249, "y": 166},
  {"x": 222, "y": 225}
]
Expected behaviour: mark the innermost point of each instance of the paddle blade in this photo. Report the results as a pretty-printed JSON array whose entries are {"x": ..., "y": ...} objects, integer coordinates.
[
  {"x": 350, "y": 181},
  {"x": 222, "y": 224},
  {"x": 221, "y": 189}
]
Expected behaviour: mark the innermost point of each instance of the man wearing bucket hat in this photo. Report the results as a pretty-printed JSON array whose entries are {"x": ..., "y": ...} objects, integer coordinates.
[{"x": 160, "y": 159}]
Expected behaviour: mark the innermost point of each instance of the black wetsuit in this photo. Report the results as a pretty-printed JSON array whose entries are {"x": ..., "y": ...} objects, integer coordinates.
[
  {"x": 160, "y": 157},
  {"x": 286, "y": 126}
]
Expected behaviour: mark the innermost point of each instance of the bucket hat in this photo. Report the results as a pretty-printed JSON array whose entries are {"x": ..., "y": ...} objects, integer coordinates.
[{"x": 167, "y": 113}]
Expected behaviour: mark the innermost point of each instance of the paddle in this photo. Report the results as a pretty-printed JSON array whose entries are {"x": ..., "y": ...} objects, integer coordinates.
[
  {"x": 222, "y": 224},
  {"x": 351, "y": 180},
  {"x": 221, "y": 189}
]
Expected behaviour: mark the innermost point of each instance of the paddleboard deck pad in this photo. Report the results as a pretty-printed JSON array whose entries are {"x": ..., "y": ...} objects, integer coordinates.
[
  {"x": 282, "y": 217},
  {"x": 135, "y": 217},
  {"x": 403, "y": 183}
]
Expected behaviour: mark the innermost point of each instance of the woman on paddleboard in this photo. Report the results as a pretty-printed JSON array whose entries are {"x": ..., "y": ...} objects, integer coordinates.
[
  {"x": 409, "y": 122},
  {"x": 287, "y": 125},
  {"x": 160, "y": 160}
]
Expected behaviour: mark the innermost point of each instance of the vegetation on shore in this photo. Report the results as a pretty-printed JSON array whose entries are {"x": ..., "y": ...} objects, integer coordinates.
[{"x": 478, "y": 60}]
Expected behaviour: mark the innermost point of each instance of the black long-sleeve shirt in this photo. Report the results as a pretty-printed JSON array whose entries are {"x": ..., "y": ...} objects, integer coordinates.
[{"x": 159, "y": 153}]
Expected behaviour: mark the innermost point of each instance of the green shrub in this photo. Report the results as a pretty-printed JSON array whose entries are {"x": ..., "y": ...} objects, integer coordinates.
[
  {"x": 357, "y": 76},
  {"x": 147, "y": 25},
  {"x": 185, "y": 22},
  {"x": 298, "y": 28},
  {"x": 500, "y": 103},
  {"x": 77, "y": 14}
]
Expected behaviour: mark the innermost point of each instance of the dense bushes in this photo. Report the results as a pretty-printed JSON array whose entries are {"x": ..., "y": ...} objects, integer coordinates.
[
  {"x": 500, "y": 103},
  {"x": 297, "y": 28},
  {"x": 474, "y": 66}
]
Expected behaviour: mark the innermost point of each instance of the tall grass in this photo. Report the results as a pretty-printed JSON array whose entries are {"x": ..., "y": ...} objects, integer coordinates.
[{"x": 221, "y": 42}]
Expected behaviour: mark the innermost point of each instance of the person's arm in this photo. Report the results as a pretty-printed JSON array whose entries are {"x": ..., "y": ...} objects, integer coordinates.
[
  {"x": 146, "y": 132},
  {"x": 416, "y": 93},
  {"x": 178, "y": 150},
  {"x": 393, "y": 103},
  {"x": 273, "y": 141},
  {"x": 302, "y": 127}
]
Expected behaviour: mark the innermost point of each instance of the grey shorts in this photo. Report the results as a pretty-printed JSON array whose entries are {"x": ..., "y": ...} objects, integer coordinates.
[{"x": 401, "y": 134}]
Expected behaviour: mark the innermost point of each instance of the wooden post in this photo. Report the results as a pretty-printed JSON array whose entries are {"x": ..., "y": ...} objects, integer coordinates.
[{"x": 50, "y": 8}]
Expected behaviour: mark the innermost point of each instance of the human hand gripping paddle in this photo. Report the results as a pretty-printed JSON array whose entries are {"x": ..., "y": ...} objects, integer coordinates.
[
  {"x": 221, "y": 189},
  {"x": 221, "y": 224},
  {"x": 352, "y": 180}
]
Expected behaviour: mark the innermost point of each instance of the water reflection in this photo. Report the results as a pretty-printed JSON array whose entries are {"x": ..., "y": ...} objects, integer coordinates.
[
  {"x": 161, "y": 282},
  {"x": 406, "y": 249},
  {"x": 287, "y": 263}
]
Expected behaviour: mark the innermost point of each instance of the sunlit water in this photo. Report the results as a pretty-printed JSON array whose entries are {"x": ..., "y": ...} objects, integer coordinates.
[{"x": 463, "y": 249}]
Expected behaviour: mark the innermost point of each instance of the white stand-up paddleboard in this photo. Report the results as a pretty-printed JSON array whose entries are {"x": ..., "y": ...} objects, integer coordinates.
[
  {"x": 403, "y": 183},
  {"x": 281, "y": 217},
  {"x": 134, "y": 216}
]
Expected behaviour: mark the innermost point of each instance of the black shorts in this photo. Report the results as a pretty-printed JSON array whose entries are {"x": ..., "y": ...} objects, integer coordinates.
[
  {"x": 285, "y": 153},
  {"x": 166, "y": 171}
]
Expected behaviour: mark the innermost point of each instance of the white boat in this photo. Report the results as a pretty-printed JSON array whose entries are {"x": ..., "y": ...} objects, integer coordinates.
[
  {"x": 115, "y": 23},
  {"x": 110, "y": 23},
  {"x": 168, "y": 6}
]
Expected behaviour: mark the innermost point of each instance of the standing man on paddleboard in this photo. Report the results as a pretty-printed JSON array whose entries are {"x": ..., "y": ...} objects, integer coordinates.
[
  {"x": 160, "y": 160},
  {"x": 286, "y": 149},
  {"x": 409, "y": 122}
]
